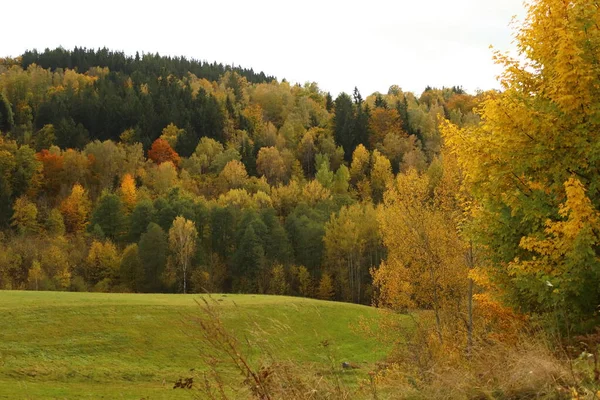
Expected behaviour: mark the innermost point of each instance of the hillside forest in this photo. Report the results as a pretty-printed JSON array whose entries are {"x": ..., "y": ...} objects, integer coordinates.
[
  {"x": 476, "y": 215},
  {"x": 157, "y": 174}
]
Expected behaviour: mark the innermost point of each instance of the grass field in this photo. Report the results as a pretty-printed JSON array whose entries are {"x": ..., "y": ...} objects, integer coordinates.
[{"x": 56, "y": 345}]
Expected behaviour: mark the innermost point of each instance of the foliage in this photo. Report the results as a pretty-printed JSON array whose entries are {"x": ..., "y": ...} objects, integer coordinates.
[{"x": 531, "y": 164}]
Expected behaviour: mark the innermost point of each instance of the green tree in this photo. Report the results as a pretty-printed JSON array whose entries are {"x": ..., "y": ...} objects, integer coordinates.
[
  {"x": 153, "y": 248},
  {"x": 55, "y": 223},
  {"x": 131, "y": 270},
  {"x": 143, "y": 213},
  {"x": 109, "y": 215}
]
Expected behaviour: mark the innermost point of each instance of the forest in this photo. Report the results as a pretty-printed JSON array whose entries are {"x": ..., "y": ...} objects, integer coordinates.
[{"x": 156, "y": 174}]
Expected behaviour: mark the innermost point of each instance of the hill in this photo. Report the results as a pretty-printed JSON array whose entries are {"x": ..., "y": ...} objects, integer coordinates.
[{"x": 131, "y": 346}]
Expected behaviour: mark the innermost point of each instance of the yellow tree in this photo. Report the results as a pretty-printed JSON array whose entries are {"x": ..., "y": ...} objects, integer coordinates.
[
  {"x": 128, "y": 192},
  {"x": 234, "y": 175},
  {"x": 351, "y": 243},
  {"x": 270, "y": 164},
  {"x": 359, "y": 167},
  {"x": 381, "y": 175},
  {"x": 35, "y": 274},
  {"x": 533, "y": 162},
  {"x": 103, "y": 263},
  {"x": 426, "y": 264},
  {"x": 25, "y": 216},
  {"x": 76, "y": 209},
  {"x": 171, "y": 134}
]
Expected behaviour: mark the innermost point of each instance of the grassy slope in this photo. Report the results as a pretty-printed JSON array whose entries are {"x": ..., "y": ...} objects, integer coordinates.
[{"x": 131, "y": 346}]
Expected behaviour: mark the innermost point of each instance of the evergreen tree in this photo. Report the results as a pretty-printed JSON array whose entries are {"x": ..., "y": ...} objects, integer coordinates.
[
  {"x": 109, "y": 215},
  {"x": 153, "y": 249},
  {"x": 343, "y": 122},
  {"x": 142, "y": 215},
  {"x": 131, "y": 271}
]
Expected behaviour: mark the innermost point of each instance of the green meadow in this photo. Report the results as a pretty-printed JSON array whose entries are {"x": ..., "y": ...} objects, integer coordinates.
[{"x": 61, "y": 345}]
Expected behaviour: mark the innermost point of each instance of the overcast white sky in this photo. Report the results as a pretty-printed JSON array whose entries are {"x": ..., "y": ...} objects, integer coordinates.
[{"x": 339, "y": 44}]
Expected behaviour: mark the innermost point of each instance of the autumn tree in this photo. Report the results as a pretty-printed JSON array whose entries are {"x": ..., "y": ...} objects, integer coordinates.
[
  {"x": 35, "y": 274},
  {"x": 161, "y": 151},
  {"x": 182, "y": 241},
  {"x": 325, "y": 290},
  {"x": 382, "y": 122},
  {"x": 55, "y": 223},
  {"x": 234, "y": 175},
  {"x": 533, "y": 167},
  {"x": 359, "y": 167},
  {"x": 171, "y": 134},
  {"x": 352, "y": 248},
  {"x": 102, "y": 264},
  {"x": 278, "y": 284},
  {"x": 425, "y": 266},
  {"x": 270, "y": 164},
  {"x": 128, "y": 192},
  {"x": 381, "y": 175},
  {"x": 52, "y": 167},
  {"x": 25, "y": 216},
  {"x": 76, "y": 209}
]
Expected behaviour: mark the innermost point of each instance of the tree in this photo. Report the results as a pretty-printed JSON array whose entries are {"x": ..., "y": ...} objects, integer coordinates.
[
  {"x": 128, "y": 192},
  {"x": 382, "y": 122},
  {"x": 305, "y": 286},
  {"x": 45, "y": 137},
  {"x": 171, "y": 134},
  {"x": 533, "y": 166},
  {"x": 360, "y": 164},
  {"x": 270, "y": 164},
  {"x": 25, "y": 216},
  {"x": 278, "y": 284},
  {"x": 352, "y": 247},
  {"x": 425, "y": 266},
  {"x": 75, "y": 209},
  {"x": 182, "y": 241},
  {"x": 35, "y": 273},
  {"x": 341, "y": 180},
  {"x": 325, "y": 291},
  {"x": 140, "y": 217},
  {"x": 102, "y": 264},
  {"x": 381, "y": 175},
  {"x": 306, "y": 152},
  {"x": 52, "y": 168},
  {"x": 161, "y": 152},
  {"x": 55, "y": 223},
  {"x": 343, "y": 121},
  {"x": 109, "y": 215},
  {"x": 131, "y": 270},
  {"x": 6, "y": 115},
  {"x": 234, "y": 175},
  {"x": 153, "y": 248}
]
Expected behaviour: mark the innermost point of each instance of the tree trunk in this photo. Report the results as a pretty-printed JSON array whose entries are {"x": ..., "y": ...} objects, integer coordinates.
[
  {"x": 184, "y": 277},
  {"x": 436, "y": 308},
  {"x": 471, "y": 265}
]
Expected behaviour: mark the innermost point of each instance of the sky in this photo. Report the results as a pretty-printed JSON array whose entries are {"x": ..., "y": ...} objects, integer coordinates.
[{"x": 338, "y": 44}]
